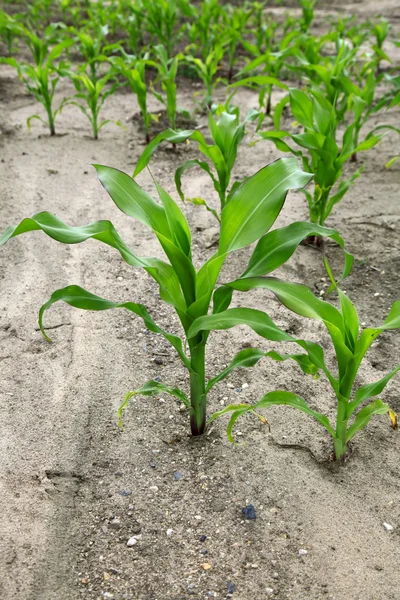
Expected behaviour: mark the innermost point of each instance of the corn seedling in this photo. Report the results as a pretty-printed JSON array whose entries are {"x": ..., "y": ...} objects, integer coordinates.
[
  {"x": 133, "y": 70},
  {"x": 90, "y": 98},
  {"x": 236, "y": 19},
  {"x": 247, "y": 218},
  {"x": 307, "y": 9},
  {"x": 271, "y": 64},
  {"x": 94, "y": 50},
  {"x": 227, "y": 132},
  {"x": 353, "y": 412},
  {"x": 167, "y": 70},
  {"x": 380, "y": 31},
  {"x": 207, "y": 71},
  {"x": 162, "y": 17},
  {"x": 41, "y": 81},
  {"x": 319, "y": 149},
  {"x": 205, "y": 29},
  {"x": 10, "y": 31}
]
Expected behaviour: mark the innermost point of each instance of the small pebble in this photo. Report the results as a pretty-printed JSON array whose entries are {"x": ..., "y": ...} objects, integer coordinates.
[
  {"x": 203, "y": 538},
  {"x": 108, "y": 595},
  {"x": 245, "y": 386},
  {"x": 170, "y": 532},
  {"x": 376, "y": 294},
  {"x": 231, "y": 587},
  {"x": 125, "y": 492},
  {"x": 303, "y": 552},
  {"x": 158, "y": 361},
  {"x": 238, "y": 390},
  {"x": 206, "y": 566},
  {"x": 178, "y": 475},
  {"x": 388, "y": 527},
  {"x": 269, "y": 591},
  {"x": 153, "y": 464},
  {"x": 131, "y": 542},
  {"x": 249, "y": 512},
  {"x": 153, "y": 488}
]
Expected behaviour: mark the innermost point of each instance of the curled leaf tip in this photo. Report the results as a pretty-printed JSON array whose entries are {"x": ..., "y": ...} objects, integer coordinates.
[{"x": 393, "y": 419}]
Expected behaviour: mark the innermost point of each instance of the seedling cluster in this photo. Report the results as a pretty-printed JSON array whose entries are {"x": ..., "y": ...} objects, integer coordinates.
[{"x": 330, "y": 86}]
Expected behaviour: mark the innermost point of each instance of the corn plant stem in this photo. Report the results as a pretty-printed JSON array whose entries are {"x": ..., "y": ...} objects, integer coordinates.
[
  {"x": 321, "y": 209},
  {"x": 340, "y": 443},
  {"x": 50, "y": 116},
  {"x": 198, "y": 397}
]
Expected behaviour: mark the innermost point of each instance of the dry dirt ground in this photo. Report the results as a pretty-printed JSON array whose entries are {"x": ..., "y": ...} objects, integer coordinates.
[{"x": 74, "y": 488}]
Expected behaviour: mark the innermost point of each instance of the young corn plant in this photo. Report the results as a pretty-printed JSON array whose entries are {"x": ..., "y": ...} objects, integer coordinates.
[
  {"x": 90, "y": 98},
  {"x": 133, "y": 70},
  {"x": 204, "y": 30},
  {"x": 10, "y": 31},
  {"x": 380, "y": 31},
  {"x": 41, "y": 81},
  {"x": 307, "y": 9},
  {"x": 94, "y": 50},
  {"x": 361, "y": 101},
  {"x": 271, "y": 65},
  {"x": 167, "y": 70},
  {"x": 247, "y": 217},
  {"x": 227, "y": 132},
  {"x": 235, "y": 21},
  {"x": 354, "y": 407},
  {"x": 321, "y": 152},
  {"x": 207, "y": 71},
  {"x": 162, "y": 21}
]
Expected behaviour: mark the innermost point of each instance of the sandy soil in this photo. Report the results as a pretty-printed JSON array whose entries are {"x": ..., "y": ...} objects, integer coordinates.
[{"x": 74, "y": 488}]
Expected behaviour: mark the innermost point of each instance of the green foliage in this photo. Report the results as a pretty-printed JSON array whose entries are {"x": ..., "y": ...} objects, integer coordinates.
[
  {"x": 207, "y": 71},
  {"x": 250, "y": 213},
  {"x": 167, "y": 70},
  {"x": 350, "y": 345},
  {"x": 133, "y": 70},
  {"x": 320, "y": 149},
  {"x": 41, "y": 80},
  {"x": 90, "y": 98},
  {"x": 227, "y": 132}
]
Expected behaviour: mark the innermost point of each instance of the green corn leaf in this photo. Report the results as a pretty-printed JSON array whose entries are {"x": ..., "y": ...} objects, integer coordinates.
[
  {"x": 299, "y": 299},
  {"x": 105, "y": 232},
  {"x": 256, "y": 204},
  {"x": 259, "y": 321},
  {"x": 202, "y": 202},
  {"x": 391, "y": 162},
  {"x": 277, "y": 246},
  {"x": 177, "y": 222},
  {"x": 152, "y": 388},
  {"x": 168, "y": 135},
  {"x": 278, "y": 397},
  {"x": 132, "y": 200},
  {"x": 370, "y": 390},
  {"x": 377, "y": 407},
  {"x": 302, "y": 107},
  {"x": 350, "y": 319},
  {"x": 189, "y": 164},
  {"x": 258, "y": 80},
  {"x": 306, "y": 365},
  {"x": 78, "y": 297},
  {"x": 245, "y": 358},
  {"x": 295, "y": 296}
]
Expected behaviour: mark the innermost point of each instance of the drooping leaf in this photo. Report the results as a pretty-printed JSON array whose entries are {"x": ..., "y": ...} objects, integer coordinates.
[
  {"x": 105, "y": 232},
  {"x": 377, "y": 407},
  {"x": 152, "y": 388},
  {"x": 78, "y": 297}
]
